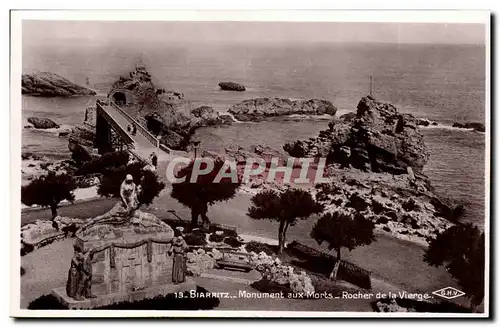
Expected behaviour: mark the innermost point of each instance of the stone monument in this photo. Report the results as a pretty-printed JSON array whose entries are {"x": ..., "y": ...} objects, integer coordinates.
[{"x": 123, "y": 255}]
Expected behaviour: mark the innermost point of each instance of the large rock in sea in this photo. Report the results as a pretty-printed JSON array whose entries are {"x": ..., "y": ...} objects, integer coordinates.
[
  {"x": 478, "y": 127},
  {"x": 231, "y": 86},
  {"x": 260, "y": 108},
  {"x": 42, "y": 123},
  {"x": 379, "y": 138},
  {"x": 176, "y": 125},
  {"x": 49, "y": 84}
]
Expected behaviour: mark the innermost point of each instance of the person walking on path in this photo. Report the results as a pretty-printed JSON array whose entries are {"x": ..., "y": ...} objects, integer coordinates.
[{"x": 154, "y": 160}]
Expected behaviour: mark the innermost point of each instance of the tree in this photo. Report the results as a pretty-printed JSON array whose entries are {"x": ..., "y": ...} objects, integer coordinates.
[
  {"x": 150, "y": 182},
  {"x": 341, "y": 229},
  {"x": 461, "y": 249},
  {"x": 49, "y": 190},
  {"x": 204, "y": 192},
  {"x": 284, "y": 208}
]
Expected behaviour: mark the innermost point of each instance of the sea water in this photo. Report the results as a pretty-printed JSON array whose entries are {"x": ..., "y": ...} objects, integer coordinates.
[{"x": 444, "y": 83}]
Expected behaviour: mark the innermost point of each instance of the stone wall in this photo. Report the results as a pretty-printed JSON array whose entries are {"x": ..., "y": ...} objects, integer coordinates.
[{"x": 125, "y": 267}]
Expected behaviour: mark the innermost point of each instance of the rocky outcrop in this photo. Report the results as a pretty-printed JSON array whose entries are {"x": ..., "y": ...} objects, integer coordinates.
[
  {"x": 81, "y": 139},
  {"x": 43, "y": 232},
  {"x": 165, "y": 113},
  {"x": 478, "y": 127},
  {"x": 175, "y": 127},
  {"x": 207, "y": 116},
  {"x": 231, "y": 86},
  {"x": 79, "y": 152},
  {"x": 426, "y": 122},
  {"x": 260, "y": 108},
  {"x": 404, "y": 207},
  {"x": 49, "y": 84},
  {"x": 378, "y": 139},
  {"x": 240, "y": 154},
  {"x": 42, "y": 123}
]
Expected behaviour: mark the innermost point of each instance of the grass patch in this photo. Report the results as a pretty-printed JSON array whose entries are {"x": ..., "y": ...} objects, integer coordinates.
[{"x": 169, "y": 302}]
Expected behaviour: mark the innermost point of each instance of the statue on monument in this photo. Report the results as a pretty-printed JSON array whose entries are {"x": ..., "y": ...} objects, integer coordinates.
[
  {"x": 123, "y": 212},
  {"x": 79, "y": 283},
  {"x": 128, "y": 194},
  {"x": 178, "y": 248},
  {"x": 127, "y": 210}
]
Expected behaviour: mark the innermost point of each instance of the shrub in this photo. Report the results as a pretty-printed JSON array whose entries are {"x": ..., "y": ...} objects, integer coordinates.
[
  {"x": 104, "y": 163},
  {"x": 216, "y": 238},
  {"x": 258, "y": 247},
  {"x": 232, "y": 241},
  {"x": 195, "y": 239}
]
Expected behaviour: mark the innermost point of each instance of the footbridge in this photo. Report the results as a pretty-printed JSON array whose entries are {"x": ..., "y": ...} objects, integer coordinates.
[{"x": 110, "y": 117}]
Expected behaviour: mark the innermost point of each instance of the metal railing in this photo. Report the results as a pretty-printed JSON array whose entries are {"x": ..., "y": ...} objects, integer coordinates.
[
  {"x": 114, "y": 125},
  {"x": 150, "y": 137}
]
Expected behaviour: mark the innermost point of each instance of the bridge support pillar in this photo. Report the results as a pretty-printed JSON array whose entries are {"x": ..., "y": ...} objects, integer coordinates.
[{"x": 103, "y": 135}]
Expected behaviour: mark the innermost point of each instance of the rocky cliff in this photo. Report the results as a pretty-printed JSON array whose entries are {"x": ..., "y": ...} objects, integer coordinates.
[
  {"x": 260, "y": 108},
  {"x": 49, "y": 84},
  {"x": 377, "y": 138}
]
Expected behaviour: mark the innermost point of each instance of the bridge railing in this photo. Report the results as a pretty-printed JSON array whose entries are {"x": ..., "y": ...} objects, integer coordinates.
[
  {"x": 114, "y": 125},
  {"x": 150, "y": 137}
]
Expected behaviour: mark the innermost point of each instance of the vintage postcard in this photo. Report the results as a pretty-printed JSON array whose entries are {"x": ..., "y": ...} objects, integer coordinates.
[{"x": 250, "y": 164}]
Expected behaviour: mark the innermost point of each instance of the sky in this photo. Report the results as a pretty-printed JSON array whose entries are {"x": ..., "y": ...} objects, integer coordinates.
[{"x": 97, "y": 32}]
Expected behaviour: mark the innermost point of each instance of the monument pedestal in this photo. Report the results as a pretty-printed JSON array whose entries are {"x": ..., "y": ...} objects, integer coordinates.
[{"x": 129, "y": 262}]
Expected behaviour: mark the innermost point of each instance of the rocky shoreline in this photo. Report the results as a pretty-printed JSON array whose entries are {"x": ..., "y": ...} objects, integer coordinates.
[{"x": 375, "y": 155}]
